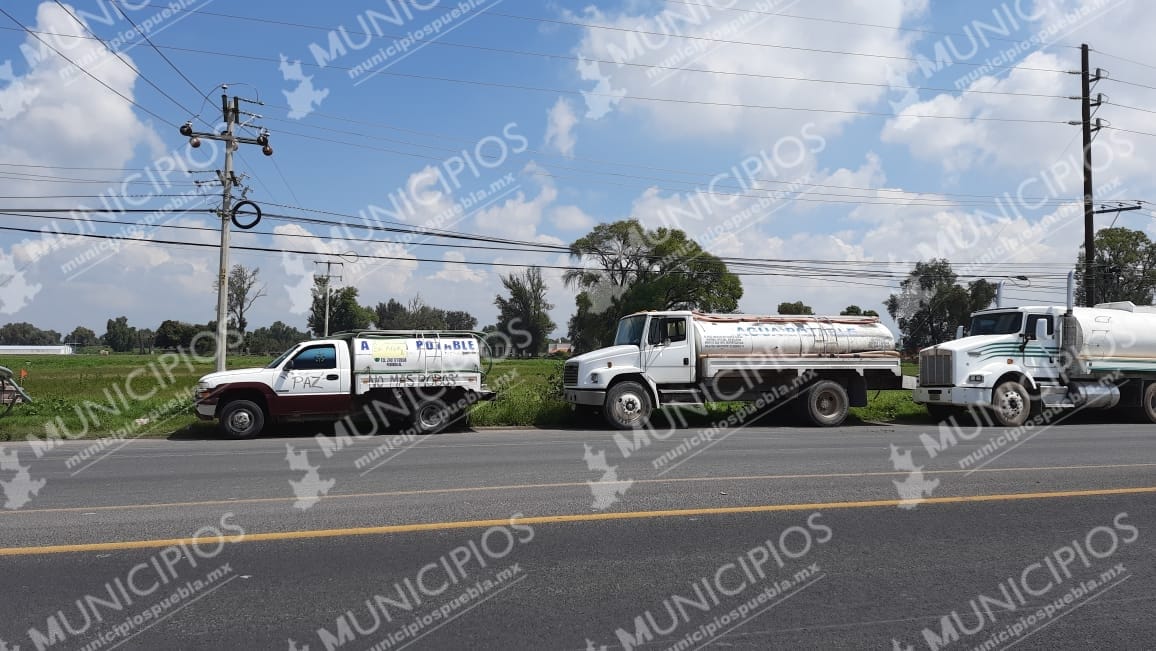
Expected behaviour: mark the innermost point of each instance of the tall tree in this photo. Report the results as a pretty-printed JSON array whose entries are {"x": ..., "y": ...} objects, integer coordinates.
[
  {"x": 391, "y": 315},
  {"x": 855, "y": 310},
  {"x": 798, "y": 307},
  {"x": 119, "y": 336},
  {"x": 460, "y": 320},
  {"x": 629, "y": 268},
  {"x": 1125, "y": 267},
  {"x": 344, "y": 311},
  {"x": 930, "y": 304},
  {"x": 243, "y": 293},
  {"x": 524, "y": 315},
  {"x": 82, "y": 336}
]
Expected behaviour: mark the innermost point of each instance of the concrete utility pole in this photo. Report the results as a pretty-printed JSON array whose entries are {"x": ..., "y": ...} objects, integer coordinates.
[
  {"x": 231, "y": 115},
  {"x": 1086, "y": 106},
  {"x": 328, "y": 276}
]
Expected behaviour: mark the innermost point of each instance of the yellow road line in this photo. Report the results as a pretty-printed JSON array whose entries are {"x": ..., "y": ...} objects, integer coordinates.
[
  {"x": 552, "y": 519},
  {"x": 572, "y": 484}
]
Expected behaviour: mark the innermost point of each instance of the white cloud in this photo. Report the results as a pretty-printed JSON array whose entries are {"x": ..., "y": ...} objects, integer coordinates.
[
  {"x": 572, "y": 218},
  {"x": 560, "y": 128},
  {"x": 455, "y": 272}
]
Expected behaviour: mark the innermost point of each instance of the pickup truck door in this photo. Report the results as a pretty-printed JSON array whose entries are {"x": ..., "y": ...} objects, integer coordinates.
[
  {"x": 667, "y": 352},
  {"x": 315, "y": 380}
]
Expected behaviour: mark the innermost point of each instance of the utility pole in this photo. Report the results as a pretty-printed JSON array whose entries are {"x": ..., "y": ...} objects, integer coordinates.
[
  {"x": 328, "y": 276},
  {"x": 1086, "y": 106},
  {"x": 232, "y": 115}
]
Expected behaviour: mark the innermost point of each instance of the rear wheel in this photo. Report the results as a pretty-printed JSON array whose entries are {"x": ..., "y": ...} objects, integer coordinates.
[
  {"x": 628, "y": 405},
  {"x": 242, "y": 419},
  {"x": 1148, "y": 404},
  {"x": 825, "y": 403},
  {"x": 432, "y": 417}
]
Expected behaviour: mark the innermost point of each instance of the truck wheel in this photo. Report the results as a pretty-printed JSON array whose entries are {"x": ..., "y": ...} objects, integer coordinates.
[
  {"x": 825, "y": 403},
  {"x": 242, "y": 419},
  {"x": 628, "y": 405},
  {"x": 1149, "y": 403},
  {"x": 1011, "y": 404},
  {"x": 431, "y": 417}
]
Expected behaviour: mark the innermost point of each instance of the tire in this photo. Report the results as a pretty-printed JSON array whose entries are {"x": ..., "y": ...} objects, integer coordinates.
[
  {"x": 432, "y": 417},
  {"x": 1148, "y": 403},
  {"x": 628, "y": 405},
  {"x": 825, "y": 404},
  {"x": 242, "y": 419},
  {"x": 1011, "y": 404}
]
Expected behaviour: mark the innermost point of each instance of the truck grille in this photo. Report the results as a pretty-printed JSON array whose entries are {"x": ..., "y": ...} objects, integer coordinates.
[
  {"x": 570, "y": 374},
  {"x": 935, "y": 368}
]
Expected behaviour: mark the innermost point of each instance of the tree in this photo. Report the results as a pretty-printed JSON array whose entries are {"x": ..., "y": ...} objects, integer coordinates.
[
  {"x": 26, "y": 334},
  {"x": 274, "y": 339},
  {"x": 425, "y": 317},
  {"x": 82, "y": 336},
  {"x": 630, "y": 268},
  {"x": 460, "y": 320},
  {"x": 173, "y": 334},
  {"x": 930, "y": 304},
  {"x": 524, "y": 316},
  {"x": 855, "y": 310},
  {"x": 119, "y": 336},
  {"x": 795, "y": 308},
  {"x": 243, "y": 292},
  {"x": 344, "y": 311},
  {"x": 1125, "y": 267},
  {"x": 391, "y": 315}
]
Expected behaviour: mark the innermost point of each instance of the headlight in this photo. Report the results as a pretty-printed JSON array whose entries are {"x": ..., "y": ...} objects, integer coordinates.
[
  {"x": 975, "y": 377},
  {"x": 594, "y": 379}
]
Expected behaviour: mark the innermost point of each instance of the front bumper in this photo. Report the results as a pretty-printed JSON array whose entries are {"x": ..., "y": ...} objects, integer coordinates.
[
  {"x": 205, "y": 411},
  {"x": 960, "y": 396},
  {"x": 588, "y": 397}
]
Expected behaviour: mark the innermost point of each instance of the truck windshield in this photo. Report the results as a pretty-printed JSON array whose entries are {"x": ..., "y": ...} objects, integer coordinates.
[
  {"x": 280, "y": 358},
  {"x": 1000, "y": 323},
  {"x": 630, "y": 331}
]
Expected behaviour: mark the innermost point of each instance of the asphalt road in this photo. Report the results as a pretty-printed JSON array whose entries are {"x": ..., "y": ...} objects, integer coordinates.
[{"x": 855, "y": 537}]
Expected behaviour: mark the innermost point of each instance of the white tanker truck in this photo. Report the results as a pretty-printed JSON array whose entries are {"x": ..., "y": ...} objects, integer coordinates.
[
  {"x": 825, "y": 364},
  {"x": 1017, "y": 362}
]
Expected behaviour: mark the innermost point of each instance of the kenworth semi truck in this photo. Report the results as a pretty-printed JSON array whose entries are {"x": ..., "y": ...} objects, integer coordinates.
[
  {"x": 1017, "y": 362},
  {"x": 824, "y": 364},
  {"x": 422, "y": 379}
]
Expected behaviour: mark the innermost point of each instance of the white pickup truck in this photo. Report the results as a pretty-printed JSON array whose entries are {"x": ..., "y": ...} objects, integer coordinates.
[
  {"x": 822, "y": 364},
  {"x": 426, "y": 380}
]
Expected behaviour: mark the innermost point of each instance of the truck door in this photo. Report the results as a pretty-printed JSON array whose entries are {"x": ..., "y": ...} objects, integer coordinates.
[
  {"x": 667, "y": 355},
  {"x": 1041, "y": 358},
  {"x": 312, "y": 381}
]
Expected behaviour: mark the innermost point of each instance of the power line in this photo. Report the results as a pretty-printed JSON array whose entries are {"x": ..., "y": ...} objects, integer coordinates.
[{"x": 85, "y": 71}]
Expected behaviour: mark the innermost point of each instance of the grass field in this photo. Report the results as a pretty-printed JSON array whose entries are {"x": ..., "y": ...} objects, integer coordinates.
[{"x": 86, "y": 396}]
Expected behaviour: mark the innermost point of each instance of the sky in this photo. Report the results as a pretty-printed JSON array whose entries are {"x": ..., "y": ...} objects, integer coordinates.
[{"x": 822, "y": 147}]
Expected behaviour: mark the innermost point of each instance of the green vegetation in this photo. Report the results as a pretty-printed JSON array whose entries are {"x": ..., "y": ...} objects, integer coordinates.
[{"x": 95, "y": 395}]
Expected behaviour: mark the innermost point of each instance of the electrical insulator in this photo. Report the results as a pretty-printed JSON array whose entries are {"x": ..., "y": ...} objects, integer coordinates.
[
  {"x": 267, "y": 150},
  {"x": 263, "y": 139},
  {"x": 187, "y": 129},
  {"x": 195, "y": 142}
]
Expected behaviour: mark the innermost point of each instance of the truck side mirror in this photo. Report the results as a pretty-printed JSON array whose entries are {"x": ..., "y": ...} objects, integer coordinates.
[
  {"x": 1041, "y": 329},
  {"x": 288, "y": 366},
  {"x": 959, "y": 332}
]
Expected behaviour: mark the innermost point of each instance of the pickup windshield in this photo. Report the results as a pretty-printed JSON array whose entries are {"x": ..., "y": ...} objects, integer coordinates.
[
  {"x": 630, "y": 331},
  {"x": 280, "y": 358},
  {"x": 999, "y": 323}
]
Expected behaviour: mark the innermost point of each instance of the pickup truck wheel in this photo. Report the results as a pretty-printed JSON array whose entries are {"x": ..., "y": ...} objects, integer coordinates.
[
  {"x": 628, "y": 405},
  {"x": 826, "y": 403},
  {"x": 1149, "y": 402},
  {"x": 1011, "y": 404},
  {"x": 242, "y": 419},
  {"x": 431, "y": 417}
]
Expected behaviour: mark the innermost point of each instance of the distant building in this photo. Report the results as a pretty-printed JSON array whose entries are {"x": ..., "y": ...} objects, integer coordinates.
[
  {"x": 557, "y": 347},
  {"x": 35, "y": 350}
]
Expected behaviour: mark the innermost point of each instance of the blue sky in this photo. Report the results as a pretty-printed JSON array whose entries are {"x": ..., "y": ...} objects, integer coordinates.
[{"x": 444, "y": 126}]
